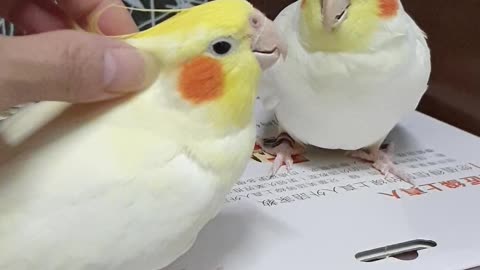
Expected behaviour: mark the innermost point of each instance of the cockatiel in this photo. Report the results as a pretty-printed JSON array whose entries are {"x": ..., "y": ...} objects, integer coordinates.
[
  {"x": 128, "y": 184},
  {"x": 354, "y": 69}
]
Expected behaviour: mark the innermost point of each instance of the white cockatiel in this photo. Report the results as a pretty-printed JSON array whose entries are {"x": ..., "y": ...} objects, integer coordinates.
[
  {"x": 354, "y": 69},
  {"x": 128, "y": 184}
]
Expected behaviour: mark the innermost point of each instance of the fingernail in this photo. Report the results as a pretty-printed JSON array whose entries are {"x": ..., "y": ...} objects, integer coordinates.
[{"x": 124, "y": 70}]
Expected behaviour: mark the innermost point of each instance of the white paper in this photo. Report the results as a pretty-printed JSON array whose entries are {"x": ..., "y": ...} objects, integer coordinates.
[{"x": 331, "y": 207}]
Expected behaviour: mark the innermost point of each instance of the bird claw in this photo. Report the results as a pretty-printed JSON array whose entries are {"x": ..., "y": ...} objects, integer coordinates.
[
  {"x": 382, "y": 162},
  {"x": 280, "y": 160},
  {"x": 361, "y": 154},
  {"x": 282, "y": 147}
]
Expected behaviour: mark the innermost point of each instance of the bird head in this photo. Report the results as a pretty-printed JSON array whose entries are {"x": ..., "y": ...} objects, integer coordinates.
[
  {"x": 212, "y": 56},
  {"x": 343, "y": 25}
]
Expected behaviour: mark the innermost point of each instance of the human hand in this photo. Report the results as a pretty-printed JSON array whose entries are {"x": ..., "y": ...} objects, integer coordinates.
[{"x": 52, "y": 62}]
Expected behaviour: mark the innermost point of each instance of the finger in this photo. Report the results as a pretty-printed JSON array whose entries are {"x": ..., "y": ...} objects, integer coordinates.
[
  {"x": 35, "y": 16},
  {"x": 68, "y": 66},
  {"x": 94, "y": 15}
]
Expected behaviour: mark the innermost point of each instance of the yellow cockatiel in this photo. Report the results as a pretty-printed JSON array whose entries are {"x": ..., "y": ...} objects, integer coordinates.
[{"x": 128, "y": 184}]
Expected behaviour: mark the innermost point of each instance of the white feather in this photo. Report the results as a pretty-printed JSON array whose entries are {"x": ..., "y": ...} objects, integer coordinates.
[
  {"x": 109, "y": 187},
  {"x": 348, "y": 100}
]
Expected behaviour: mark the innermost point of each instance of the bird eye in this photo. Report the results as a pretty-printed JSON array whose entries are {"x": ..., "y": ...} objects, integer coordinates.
[{"x": 221, "y": 47}]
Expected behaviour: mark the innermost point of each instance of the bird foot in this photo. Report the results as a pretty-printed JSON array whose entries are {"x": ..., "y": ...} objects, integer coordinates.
[
  {"x": 282, "y": 158},
  {"x": 382, "y": 162},
  {"x": 283, "y": 147}
]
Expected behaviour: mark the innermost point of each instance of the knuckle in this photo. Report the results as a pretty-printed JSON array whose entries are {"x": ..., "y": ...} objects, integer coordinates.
[
  {"x": 72, "y": 68},
  {"x": 79, "y": 68}
]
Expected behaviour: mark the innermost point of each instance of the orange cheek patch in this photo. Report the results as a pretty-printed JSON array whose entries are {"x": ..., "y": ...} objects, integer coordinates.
[
  {"x": 302, "y": 3},
  {"x": 388, "y": 8},
  {"x": 201, "y": 80}
]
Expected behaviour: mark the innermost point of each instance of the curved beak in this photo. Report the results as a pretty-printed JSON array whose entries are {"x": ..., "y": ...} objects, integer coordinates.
[
  {"x": 267, "y": 45},
  {"x": 334, "y": 12}
]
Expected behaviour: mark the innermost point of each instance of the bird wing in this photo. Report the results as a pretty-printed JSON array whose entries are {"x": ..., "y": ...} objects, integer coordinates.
[{"x": 76, "y": 184}]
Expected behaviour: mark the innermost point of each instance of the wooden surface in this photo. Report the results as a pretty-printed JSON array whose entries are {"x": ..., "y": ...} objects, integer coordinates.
[
  {"x": 454, "y": 38},
  {"x": 454, "y": 93}
]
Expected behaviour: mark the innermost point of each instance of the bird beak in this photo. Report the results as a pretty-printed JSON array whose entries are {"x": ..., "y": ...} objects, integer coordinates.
[
  {"x": 267, "y": 43},
  {"x": 333, "y": 13}
]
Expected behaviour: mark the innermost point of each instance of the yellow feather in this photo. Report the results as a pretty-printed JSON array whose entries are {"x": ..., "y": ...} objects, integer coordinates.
[
  {"x": 354, "y": 33},
  {"x": 190, "y": 31},
  {"x": 187, "y": 35},
  {"x": 227, "y": 14}
]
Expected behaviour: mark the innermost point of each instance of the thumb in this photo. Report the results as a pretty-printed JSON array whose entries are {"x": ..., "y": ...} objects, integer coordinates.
[{"x": 67, "y": 66}]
